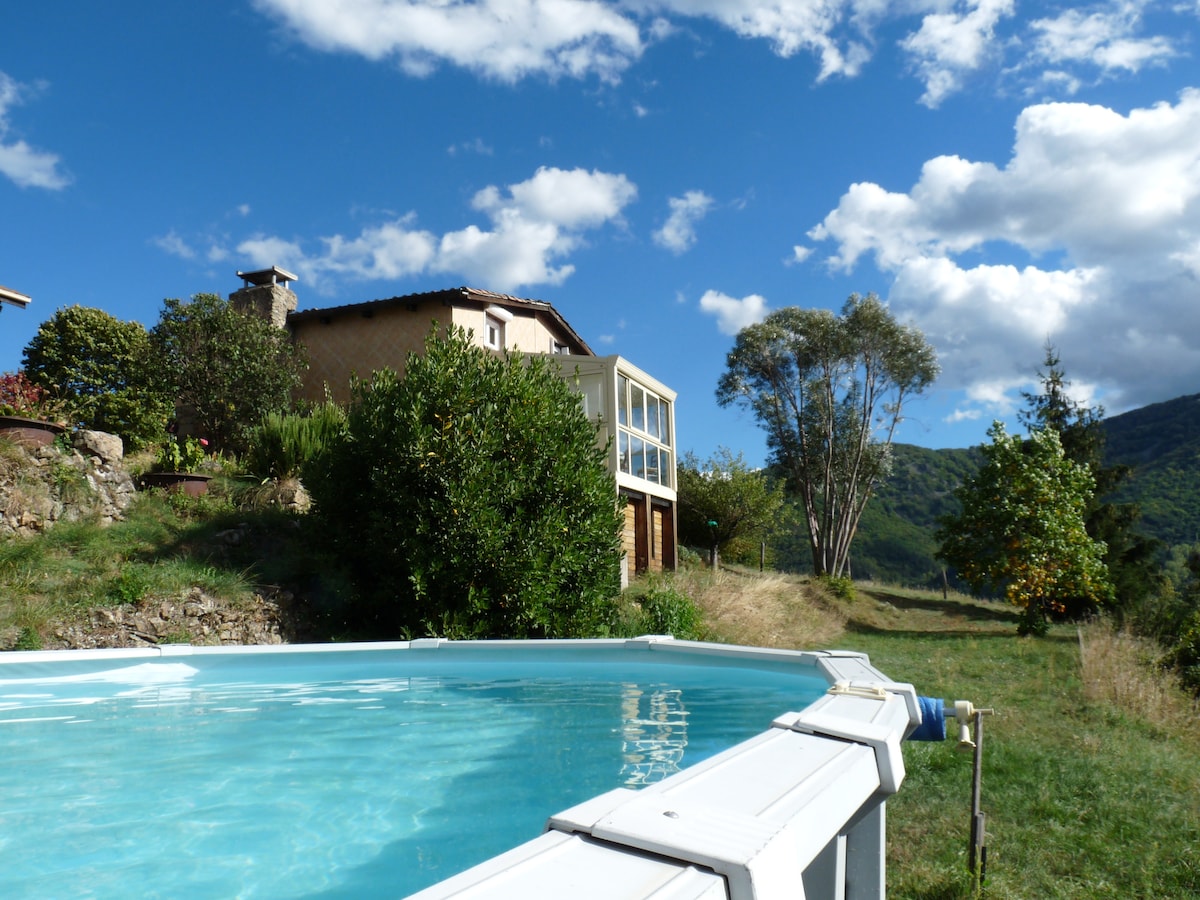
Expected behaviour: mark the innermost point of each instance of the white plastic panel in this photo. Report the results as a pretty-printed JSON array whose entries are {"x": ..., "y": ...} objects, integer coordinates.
[{"x": 572, "y": 867}]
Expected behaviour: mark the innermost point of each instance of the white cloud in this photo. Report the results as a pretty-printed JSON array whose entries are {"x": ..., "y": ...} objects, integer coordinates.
[
  {"x": 732, "y": 314},
  {"x": 24, "y": 165},
  {"x": 950, "y": 45},
  {"x": 534, "y": 224},
  {"x": 173, "y": 244},
  {"x": 476, "y": 145},
  {"x": 678, "y": 233},
  {"x": 1103, "y": 38},
  {"x": 567, "y": 198},
  {"x": 501, "y": 39},
  {"x": 947, "y": 40},
  {"x": 789, "y": 26},
  {"x": 1088, "y": 236}
]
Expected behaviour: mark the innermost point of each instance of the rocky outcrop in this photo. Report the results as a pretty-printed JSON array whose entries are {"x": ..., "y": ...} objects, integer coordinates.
[
  {"x": 192, "y": 618},
  {"x": 40, "y": 486}
]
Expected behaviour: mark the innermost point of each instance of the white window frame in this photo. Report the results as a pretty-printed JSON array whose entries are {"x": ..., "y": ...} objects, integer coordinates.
[{"x": 495, "y": 318}]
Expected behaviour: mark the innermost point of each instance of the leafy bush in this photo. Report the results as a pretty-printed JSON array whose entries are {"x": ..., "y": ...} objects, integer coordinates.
[
  {"x": 470, "y": 498},
  {"x": 667, "y": 610},
  {"x": 19, "y": 396},
  {"x": 181, "y": 455},
  {"x": 229, "y": 369},
  {"x": 842, "y": 588},
  {"x": 100, "y": 368}
]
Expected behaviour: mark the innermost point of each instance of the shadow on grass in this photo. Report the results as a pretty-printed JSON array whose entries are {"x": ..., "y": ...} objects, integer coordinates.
[
  {"x": 856, "y": 627},
  {"x": 949, "y": 607}
]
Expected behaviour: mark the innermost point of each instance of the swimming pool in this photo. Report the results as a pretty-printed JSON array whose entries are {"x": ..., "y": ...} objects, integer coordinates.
[{"x": 353, "y": 771}]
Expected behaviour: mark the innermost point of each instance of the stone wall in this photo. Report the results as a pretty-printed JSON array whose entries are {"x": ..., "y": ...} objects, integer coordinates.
[{"x": 44, "y": 485}]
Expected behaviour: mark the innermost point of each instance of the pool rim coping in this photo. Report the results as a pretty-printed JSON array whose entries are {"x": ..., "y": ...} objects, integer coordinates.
[{"x": 837, "y": 666}]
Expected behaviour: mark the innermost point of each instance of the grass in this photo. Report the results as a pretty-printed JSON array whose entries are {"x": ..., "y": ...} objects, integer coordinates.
[
  {"x": 1091, "y": 779},
  {"x": 165, "y": 546}
]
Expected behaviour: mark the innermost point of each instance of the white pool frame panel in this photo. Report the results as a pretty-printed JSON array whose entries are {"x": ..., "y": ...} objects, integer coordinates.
[{"x": 797, "y": 811}]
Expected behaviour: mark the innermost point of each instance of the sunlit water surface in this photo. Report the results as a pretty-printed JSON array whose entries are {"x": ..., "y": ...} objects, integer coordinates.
[{"x": 344, "y": 775}]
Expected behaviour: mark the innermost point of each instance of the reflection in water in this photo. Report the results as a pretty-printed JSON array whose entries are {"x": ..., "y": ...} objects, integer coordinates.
[{"x": 653, "y": 733}]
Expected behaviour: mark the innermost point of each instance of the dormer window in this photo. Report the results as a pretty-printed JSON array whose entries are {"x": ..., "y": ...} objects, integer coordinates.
[{"x": 495, "y": 318}]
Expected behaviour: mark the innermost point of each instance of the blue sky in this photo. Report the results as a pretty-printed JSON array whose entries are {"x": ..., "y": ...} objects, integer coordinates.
[{"x": 663, "y": 172}]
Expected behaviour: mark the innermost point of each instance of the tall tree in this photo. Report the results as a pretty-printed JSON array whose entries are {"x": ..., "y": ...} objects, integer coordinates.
[
  {"x": 1021, "y": 529},
  {"x": 1131, "y": 557},
  {"x": 722, "y": 500},
  {"x": 829, "y": 390},
  {"x": 227, "y": 367},
  {"x": 99, "y": 367}
]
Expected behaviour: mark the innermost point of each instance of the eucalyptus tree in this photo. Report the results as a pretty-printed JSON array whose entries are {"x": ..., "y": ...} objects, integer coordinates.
[{"x": 829, "y": 390}]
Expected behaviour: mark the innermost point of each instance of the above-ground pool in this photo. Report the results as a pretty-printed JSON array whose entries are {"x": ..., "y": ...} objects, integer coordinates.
[{"x": 350, "y": 772}]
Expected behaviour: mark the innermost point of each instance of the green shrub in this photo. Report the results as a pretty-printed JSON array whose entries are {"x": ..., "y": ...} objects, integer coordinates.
[
  {"x": 842, "y": 588},
  {"x": 470, "y": 498},
  {"x": 283, "y": 446},
  {"x": 667, "y": 610}
]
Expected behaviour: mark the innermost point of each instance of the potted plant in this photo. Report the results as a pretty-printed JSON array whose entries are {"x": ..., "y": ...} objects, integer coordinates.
[
  {"x": 28, "y": 414},
  {"x": 176, "y": 465}
]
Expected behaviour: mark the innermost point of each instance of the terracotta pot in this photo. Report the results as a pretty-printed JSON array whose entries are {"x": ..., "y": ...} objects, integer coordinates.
[
  {"x": 191, "y": 483},
  {"x": 29, "y": 432}
]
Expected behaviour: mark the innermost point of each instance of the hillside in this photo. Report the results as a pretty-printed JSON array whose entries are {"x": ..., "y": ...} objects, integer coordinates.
[{"x": 1160, "y": 443}]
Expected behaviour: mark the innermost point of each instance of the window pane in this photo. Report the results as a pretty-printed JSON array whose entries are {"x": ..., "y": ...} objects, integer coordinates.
[
  {"x": 623, "y": 451},
  {"x": 622, "y": 400},
  {"x": 664, "y": 466},
  {"x": 638, "y": 404},
  {"x": 639, "y": 457},
  {"x": 665, "y": 422},
  {"x": 653, "y": 472},
  {"x": 653, "y": 427}
]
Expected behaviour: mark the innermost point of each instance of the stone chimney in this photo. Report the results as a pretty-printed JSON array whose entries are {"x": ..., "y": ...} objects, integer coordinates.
[{"x": 266, "y": 293}]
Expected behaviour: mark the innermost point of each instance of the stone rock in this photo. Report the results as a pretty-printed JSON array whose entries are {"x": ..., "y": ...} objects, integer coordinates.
[{"x": 107, "y": 446}]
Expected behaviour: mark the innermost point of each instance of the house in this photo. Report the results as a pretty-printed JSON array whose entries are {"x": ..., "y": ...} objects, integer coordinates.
[
  {"x": 633, "y": 412},
  {"x": 15, "y": 298}
]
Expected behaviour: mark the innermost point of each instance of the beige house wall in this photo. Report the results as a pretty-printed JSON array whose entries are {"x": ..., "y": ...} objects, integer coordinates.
[{"x": 341, "y": 346}]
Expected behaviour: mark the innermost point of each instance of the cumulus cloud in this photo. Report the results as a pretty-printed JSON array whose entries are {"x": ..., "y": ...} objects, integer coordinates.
[
  {"x": 500, "y": 39},
  {"x": 24, "y": 165},
  {"x": 732, "y": 314},
  {"x": 1089, "y": 235},
  {"x": 533, "y": 225},
  {"x": 678, "y": 233},
  {"x": 950, "y": 45}
]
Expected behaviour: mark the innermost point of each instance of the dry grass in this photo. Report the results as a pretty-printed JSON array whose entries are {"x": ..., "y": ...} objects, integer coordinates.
[
  {"x": 769, "y": 610},
  {"x": 1118, "y": 668}
]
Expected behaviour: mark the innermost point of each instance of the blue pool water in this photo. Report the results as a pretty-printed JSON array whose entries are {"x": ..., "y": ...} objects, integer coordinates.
[{"x": 338, "y": 775}]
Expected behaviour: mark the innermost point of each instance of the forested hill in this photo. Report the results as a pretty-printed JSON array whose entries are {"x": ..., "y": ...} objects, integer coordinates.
[{"x": 1161, "y": 443}]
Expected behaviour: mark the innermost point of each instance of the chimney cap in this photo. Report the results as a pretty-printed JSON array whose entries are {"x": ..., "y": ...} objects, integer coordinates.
[{"x": 273, "y": 275}]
